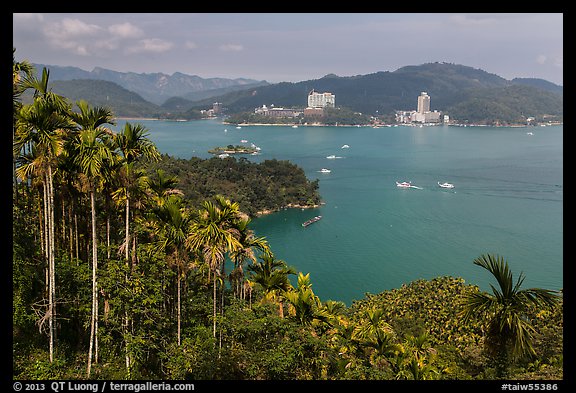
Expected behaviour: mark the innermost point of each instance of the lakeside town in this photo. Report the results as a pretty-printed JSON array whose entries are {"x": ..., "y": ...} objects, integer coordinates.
[{"x": 321, "y": 105}]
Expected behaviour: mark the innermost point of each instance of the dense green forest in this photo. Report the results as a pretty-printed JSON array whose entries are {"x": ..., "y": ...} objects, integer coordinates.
[
  {"x": 125, "y": 268},
  {"x": 268, "y": 186}
]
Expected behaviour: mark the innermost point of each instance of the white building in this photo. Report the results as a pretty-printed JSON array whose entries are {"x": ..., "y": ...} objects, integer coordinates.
[
  {"x": 321, "y": 100},
  {"x": 423, "y": 102},
  {"x": 422, "y": 114}
]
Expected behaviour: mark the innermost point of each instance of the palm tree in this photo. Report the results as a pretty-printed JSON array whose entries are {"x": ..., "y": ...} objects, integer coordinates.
[
  {"x": 271, "y": 275},
  {"x": 250, "y": 243},
  {"x": 305, "y": 306},
  {"x": 163, "y": 186},
  {"x": 18, "y": 69},
  {"x": 374, "y": 332},
  {"x": 90, "y": 154},
  {"x": 506, "y": 312},
  {"x": 418, "y": 358},
  {"x": 42, "y": 126},
  {"x": 213, "y": 233},
  {"x": 133, "y": 143},
  {"x": 170, "y": 222}
]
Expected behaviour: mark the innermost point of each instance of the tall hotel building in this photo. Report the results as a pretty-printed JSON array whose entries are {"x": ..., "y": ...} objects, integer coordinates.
[
  {"x": 321, "y": 100},
  {"x": 423, "y": 102}
]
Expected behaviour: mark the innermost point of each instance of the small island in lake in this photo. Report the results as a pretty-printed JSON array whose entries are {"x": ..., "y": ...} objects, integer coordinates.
[{"x": 230, "y": 149}]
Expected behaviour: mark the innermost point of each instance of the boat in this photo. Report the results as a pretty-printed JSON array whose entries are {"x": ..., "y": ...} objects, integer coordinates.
[
  {"x": 324, "y": 170},
  {"x": 331, "y": 157},
  {"x": 345, "y": 147},
  {"x": 529, "y": 133},
  {"x": 446, "y": 185},
  {"x": 407, "y": 184},
  {"x": 311, "y": 221},
  {"x": 244, "y": 141},
  {"x": 294, "y": 126}
]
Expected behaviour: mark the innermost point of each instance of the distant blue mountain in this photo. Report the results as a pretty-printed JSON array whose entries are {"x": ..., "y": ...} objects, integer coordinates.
[{"x": 155, "y": 87}]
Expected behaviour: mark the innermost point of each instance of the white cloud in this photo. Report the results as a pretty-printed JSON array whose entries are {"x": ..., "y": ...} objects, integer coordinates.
[
  {"x": 154, "y": 45},
  {"x": 71, "y": 34},
  {"x": 125, "y": 30},
  {"x": 231, "y": 48},
  {"x": 556, "y": 61},
  {"x": 190, "y": 45},
  {"x": 71, "y": 29}
]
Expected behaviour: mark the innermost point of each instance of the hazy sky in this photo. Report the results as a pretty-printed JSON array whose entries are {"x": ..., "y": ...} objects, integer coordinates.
[{"x": 292, "y": 47}]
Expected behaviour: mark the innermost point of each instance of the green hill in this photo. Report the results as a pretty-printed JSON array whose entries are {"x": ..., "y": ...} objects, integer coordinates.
[
  {"x": 466, "y": 94},
  {"x": 123, "y": 103},
  {"x": 454, "y": 89}
]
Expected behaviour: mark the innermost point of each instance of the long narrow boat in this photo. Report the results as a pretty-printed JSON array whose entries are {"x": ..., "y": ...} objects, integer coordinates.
[{"x": 311, "y": 221}]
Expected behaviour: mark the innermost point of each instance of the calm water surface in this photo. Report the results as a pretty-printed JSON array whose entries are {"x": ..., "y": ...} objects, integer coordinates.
[{"x": 374, "y": 236}]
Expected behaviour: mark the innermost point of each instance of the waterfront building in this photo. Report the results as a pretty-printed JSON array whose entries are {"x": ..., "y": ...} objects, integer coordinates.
[
  {"x": 314, "y": 112},
  {"x": 423, "y": 103},
  {"x": 422, "y": 114},
  {"x": 277, "y": 112},
  {"x": 321, "y": 100}
]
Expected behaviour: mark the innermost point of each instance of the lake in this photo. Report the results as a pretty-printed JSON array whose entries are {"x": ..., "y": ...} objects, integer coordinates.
[{"x": 375, "y": 236}]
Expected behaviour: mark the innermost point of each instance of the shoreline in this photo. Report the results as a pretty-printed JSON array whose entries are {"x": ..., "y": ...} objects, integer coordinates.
[
  {"x": 354, "y": 125},
  {"x": 266, "y": 212}
]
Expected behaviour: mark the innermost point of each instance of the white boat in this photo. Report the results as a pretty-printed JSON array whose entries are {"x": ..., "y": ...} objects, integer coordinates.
[
  {"x": 331, "y": 157},
  {"x": 294, "y": 126},
  {"x": 324, "y": 170},
  {"x": 223, "y": 155},
  {"x": 244, "y": 141},
  {"x": 529, "y": 133},
  {"x": 345, "y": 147},
  {"x": 407, "y": 184},
  {"x": 446, "y": 185}
]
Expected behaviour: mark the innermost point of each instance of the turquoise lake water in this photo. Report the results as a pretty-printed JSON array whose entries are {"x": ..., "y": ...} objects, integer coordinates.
[{"x": 374, "y": 236}]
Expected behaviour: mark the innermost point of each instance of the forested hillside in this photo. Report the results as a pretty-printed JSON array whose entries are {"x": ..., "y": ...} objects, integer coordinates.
[
  {"x": 454, "y": 90},
  {"x": 265, "y": 187}
]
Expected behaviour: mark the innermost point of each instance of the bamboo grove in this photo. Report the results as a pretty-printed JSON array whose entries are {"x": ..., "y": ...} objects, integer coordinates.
[{"x": 116, "y": 276}]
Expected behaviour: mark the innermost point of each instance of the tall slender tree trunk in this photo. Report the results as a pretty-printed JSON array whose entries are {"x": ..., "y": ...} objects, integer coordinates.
[
  {"x": 77, "y": 246},
  {"x": 93, "y": 323},
  {"x": 70, "y": 231},
  {"x": 52, "y": 258},
  {"x": 214, "y": 311},
  {"x": 127, "y": 256},
  {"x": 179, "y": 304},
  {"x": 63, "y": 221},
  {"x": 108, "y": 236},
  {"x": 49, "y": 243},
  {"x": 46, "y": 246},
  {"x": 127, "y": 226}
]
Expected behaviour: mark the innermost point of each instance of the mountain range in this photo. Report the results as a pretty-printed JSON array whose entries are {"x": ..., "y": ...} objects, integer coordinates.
[
  {"x": 462, "y": 92},
  {"x": 154, "y": 87}
]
